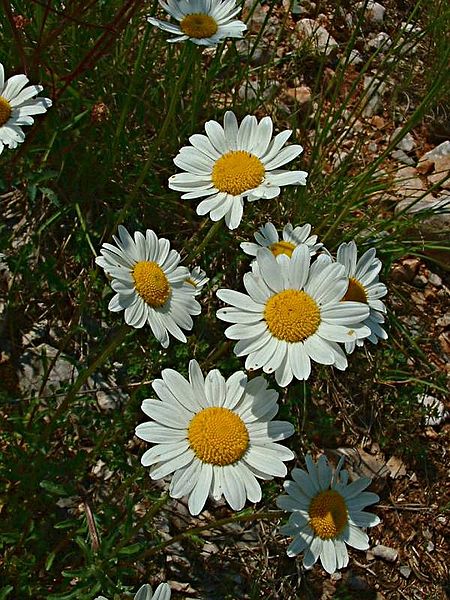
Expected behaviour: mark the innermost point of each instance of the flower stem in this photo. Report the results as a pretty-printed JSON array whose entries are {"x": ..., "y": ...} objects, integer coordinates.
[{"x": 161, "y": 134}]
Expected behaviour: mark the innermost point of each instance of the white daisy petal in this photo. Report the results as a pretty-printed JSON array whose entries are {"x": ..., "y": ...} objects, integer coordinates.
[
  {"x": 150, "y": 284},
  {"x": 323, "y": 518},
  {"x": 17, "y": 104},
  {"x": 293, "y": 313},
  {"x": 328, "y": 556},
  {"x": 234, "y": 162},
  {"x": 199, "y": 494},
  {"x": 363, "y": 286},
  {"x": 203, "y": 22},
  {"x": 214, "y": 436}
]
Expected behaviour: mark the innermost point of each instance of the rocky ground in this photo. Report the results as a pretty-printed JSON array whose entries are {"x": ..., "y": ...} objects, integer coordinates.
[{"x": 409, "y": 553}]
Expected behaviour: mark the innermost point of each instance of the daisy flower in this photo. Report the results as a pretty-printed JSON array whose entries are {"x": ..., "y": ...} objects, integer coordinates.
[
  {"x": 204, "y": 22},
  {"x": 292, "y": 314},
  {"x": 17, "y": 105},
  {"x": 364, "y": 286},
  {"x": 145, "y": 592},
  {"x": 267, "y": 237},
  {"x": 327, "y": 513},
  {"x": 197, "y": 278},
  {"x": 149, "y": 284},
  {"x": 216, "y": 437},
  {"x": 234, "y": 162}
]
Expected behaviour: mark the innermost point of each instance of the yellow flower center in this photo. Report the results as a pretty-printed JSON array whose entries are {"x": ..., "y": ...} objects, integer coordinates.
[
  {"x": 236, "y": 172},
  {"x": 198, "y": 25},
  {"x": 355, "y": 292},
  {"x": 151, "y": 283},
  {"x": 282, "y": 248},
  {"x": 328, "y": 514},
  {"x": 218, "y": 436},
  {"x": 292, "y": 315},
  {"x": 5, "y": 111}
]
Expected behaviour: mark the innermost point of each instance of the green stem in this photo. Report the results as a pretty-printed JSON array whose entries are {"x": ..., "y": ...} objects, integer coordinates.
[
  {"x": 186, "y": 65},
  {"x": 84, "y": 376},
  {"x": 269, "y": 515},
  {"x": 130, "y": 93},
  {"x": 215, "y": 227}
]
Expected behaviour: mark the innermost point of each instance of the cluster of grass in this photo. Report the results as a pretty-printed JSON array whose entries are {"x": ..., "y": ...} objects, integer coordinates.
[{"x": 124, "y": 103}]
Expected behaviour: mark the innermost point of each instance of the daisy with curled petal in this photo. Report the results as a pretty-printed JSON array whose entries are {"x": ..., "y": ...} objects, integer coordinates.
[
  {"x": 234, "y": 162},
  {"x": 197, "y": 278},
  {"x": 204, "y": 22},
  {"x": 292, "y": 314},
  {"x": 17, "y": 105},
  {"x": 267, "y": 237},
  {"x": 145, "y": 592},
  {"x": 216, "y": 437},
  {"x": 327, "y": 513},
  {"x": 364, "y": 286},
  {"x": 149, "y": 284}
]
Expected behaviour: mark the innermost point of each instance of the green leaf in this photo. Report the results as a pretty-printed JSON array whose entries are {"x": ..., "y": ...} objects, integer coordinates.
[
  {"x": 49, "y": 561},
  {"x": 53, "y": 488},
  {"x": 132, "y": 549},
  {"x": 5, "y": 591}
]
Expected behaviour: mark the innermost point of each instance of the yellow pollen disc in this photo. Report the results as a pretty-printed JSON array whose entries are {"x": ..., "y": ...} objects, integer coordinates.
[
  {"x": 5, "y": 111},
  {"x": 355, "y": 292},
  {"x": 151, "y": 283},
  {"x": 236, "y": 172},
  {"x": 198, "y": 25},
  {"x": 328, "y": 514},
  {"x": 218, "y": 436},
  {"x": 292, "y": 315},
  {"x": 282, "y": 248}
]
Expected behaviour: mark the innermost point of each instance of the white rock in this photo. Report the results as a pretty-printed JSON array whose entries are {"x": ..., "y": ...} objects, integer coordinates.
[
  {"x": 373, "y": 91},
  {"x": 355, "y": 57},
  {"x": 407, "y": 143},
  {"x": 384, "y": 552},
  {"x": 35, "y": 361},
  {"x": 435, "y": 223},
  {"x": 408, "y": 183},
  {"x": 381, "y": 40},
  {"x": 410, "y": 39},
  {"x": 438, "y": 206},
  {"x": 440, "y": 151},
  {"x": 339, "y": 158},
  {"x": 402, "y": 157},
  {"x": 321, "y": 40},
  {"x": 409, "y": 28},
  {"x": 374, "y": 11}
]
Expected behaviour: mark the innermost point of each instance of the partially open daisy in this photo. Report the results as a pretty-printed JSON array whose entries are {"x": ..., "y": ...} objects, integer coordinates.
[
  {"x": 267, "y": 237},
  {"x": 215, "y": 436},
  {"x": 292, "y": 314},
  {"x": 204, "y": 22},
  {"x": 149, "y": 284},
  {"x": 17, "y": 105},
  {"x": 197, "y": 278},
  {"x": 234, "y": 162},
  {"x": 327, "y": 513},
  {"x": 364, "y": 286},
  {"x": 145, "y": 592}
]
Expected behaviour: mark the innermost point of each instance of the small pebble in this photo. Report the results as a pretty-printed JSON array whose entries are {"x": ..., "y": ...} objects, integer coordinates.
[
  {"x": 444, "y": 321},
  {"x": 435, "y": 279},
  {"x": 384, "y": 552},
  {"x": 405, "y": 571},
  {"x": 420, "y": 281}
]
